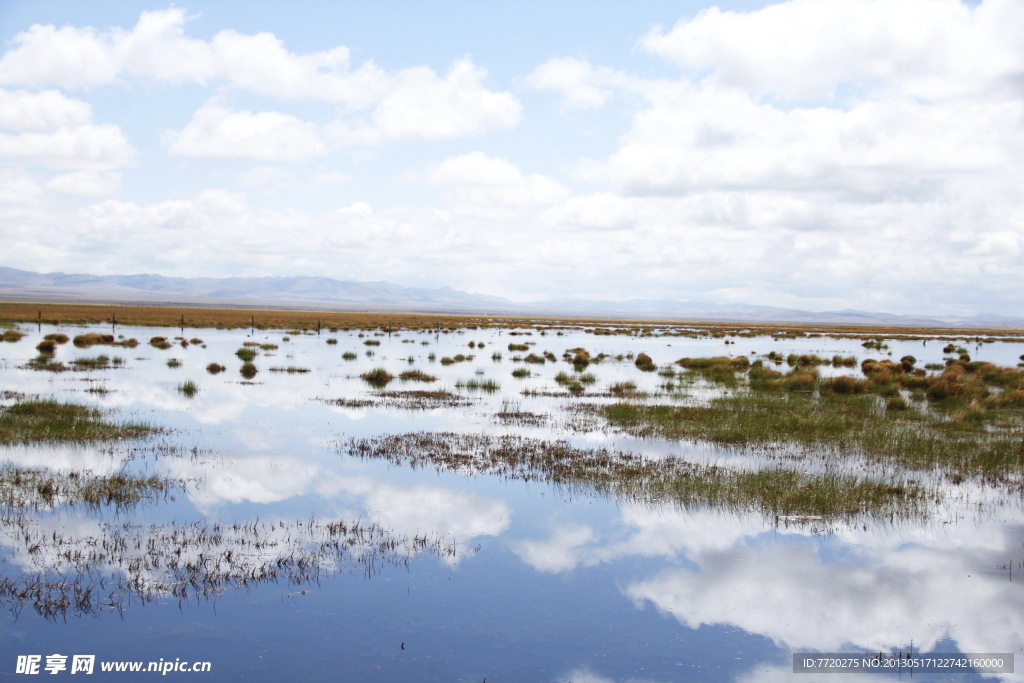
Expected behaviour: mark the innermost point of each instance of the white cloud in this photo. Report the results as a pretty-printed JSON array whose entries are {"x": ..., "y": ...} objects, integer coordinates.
[
  {"x": 157, "y": 48},
  {"x": 805, "y": 49},
  {"x": 427, "y": 107},
  {"x": 85, "y": 183},
  {"x": 493, "y": 188},
  {"x": 413, "y": 103},
  {"x": 219, "y": 133},
  {"x": 580, "y": 84},
  {"x": 56, "y": 131},
  {"x": 560, "y": 552},
  {"x": 43, "y": 111}
]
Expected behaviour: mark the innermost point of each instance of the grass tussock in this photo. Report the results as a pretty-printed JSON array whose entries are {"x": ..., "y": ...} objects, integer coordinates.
[
  {"x": 488, "y": 386},
  {"x": 290, "y": 369},
  {"x": 377, "y": 378},
  {"x": 249, "y": 370},
  {"x": 644, "y": 363},
  {"x": 11, "y": 336},
  {"x": 188, "y": 389},
  {"x": 215, "y": 368},
  {"x": 246, "y": 354},
  {"x": 416, "y": 376},
  {"x": 84, "y": 341},
  {"x": 100, "y": 362},
  {"x": 50, "y": 421}
]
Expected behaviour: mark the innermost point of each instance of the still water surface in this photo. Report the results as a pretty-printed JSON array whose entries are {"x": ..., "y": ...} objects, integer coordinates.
[{"x": 540, "y": 585}]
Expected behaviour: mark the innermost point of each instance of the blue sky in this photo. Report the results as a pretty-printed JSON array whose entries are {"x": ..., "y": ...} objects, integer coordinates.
[{"x": 819, "y": 154}]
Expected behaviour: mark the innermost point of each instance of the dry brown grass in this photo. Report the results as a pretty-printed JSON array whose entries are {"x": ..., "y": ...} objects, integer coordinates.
[{"x": 291, "y": 319}]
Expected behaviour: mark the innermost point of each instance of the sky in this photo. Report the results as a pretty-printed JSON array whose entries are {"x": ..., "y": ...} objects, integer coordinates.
[{"x": 814, "y": 154}]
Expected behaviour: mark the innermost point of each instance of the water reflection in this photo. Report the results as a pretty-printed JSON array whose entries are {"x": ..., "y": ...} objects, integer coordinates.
[{"x": 270, "y": 500}]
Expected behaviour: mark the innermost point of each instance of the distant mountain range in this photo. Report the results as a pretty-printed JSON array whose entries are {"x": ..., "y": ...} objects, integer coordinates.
[{"x": 328, "y": 293}]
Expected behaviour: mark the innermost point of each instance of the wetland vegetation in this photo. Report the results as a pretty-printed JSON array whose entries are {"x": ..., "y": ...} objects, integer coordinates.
[
  {"x": 665, "y": 447},
  {"x": 43, "y": 420}
]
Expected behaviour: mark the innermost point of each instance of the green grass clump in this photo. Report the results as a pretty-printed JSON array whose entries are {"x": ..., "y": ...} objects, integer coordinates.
[
  {"x": 377, "y": 378},
  {"x": 518, "y": 347},
  {"x": 57, "y": 338},
  {"x": 969, "y": 440},
  {"x": 291, "y": 370},
  {"x": 844, "y": 384},
  {"x": 249, "y": 369},
  {"x": 416, "y": 376},
  {"x": 98, "y": 363},
  {"x": 84, "y": 341},
  {"x": 332, "y": 341},
  {"x": 520, "y": 373},
  {"x": 246, "y": 354},
  {"x": 47, "y": 420},
  {"x": 11, "y": 336},
  {"x": 47, "y": 346},
  {"x": 215, "y": 368},
  {"x": 371, "y": 342},
  {"x": 188, "y": 388},
  {"x": 644, "y": 362},
  {"x": 570, "y": 382},
  {"x": 622, "y": 388},
  {"x": 773, "y": 490},
  {"x": 348, "y": 355},
  {"x": 156, "y": 342},
  {"x": 535, "y": 359},
  {"x": 173, "y": 363},
  {"x": 488, "y": 385}
]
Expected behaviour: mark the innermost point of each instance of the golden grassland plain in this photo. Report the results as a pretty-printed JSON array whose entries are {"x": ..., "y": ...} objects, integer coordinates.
[{"x": 309, "y": 320}]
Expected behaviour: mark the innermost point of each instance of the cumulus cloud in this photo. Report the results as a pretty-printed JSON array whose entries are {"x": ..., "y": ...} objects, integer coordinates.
[
  {"x": 219, "y": 133},
  {"x": 54, "y": 130},
  {"x": 492, "y": 187},
  {"x": 805, "y": 49},
  {"x": 581, "y": 85},
  {"x": 413, "y": 103},
  {"x": 423, "y": 106},
  {"x": 43, "y": 111},
  {"x": 800, "y": 138}
]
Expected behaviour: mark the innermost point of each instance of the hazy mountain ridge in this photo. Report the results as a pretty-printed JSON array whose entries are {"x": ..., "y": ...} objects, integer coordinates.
[{"x": 296, "y": 291}]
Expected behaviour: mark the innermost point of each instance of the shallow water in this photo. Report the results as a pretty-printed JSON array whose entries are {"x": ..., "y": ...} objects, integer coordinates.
[{"x": 535, "y": 583}]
